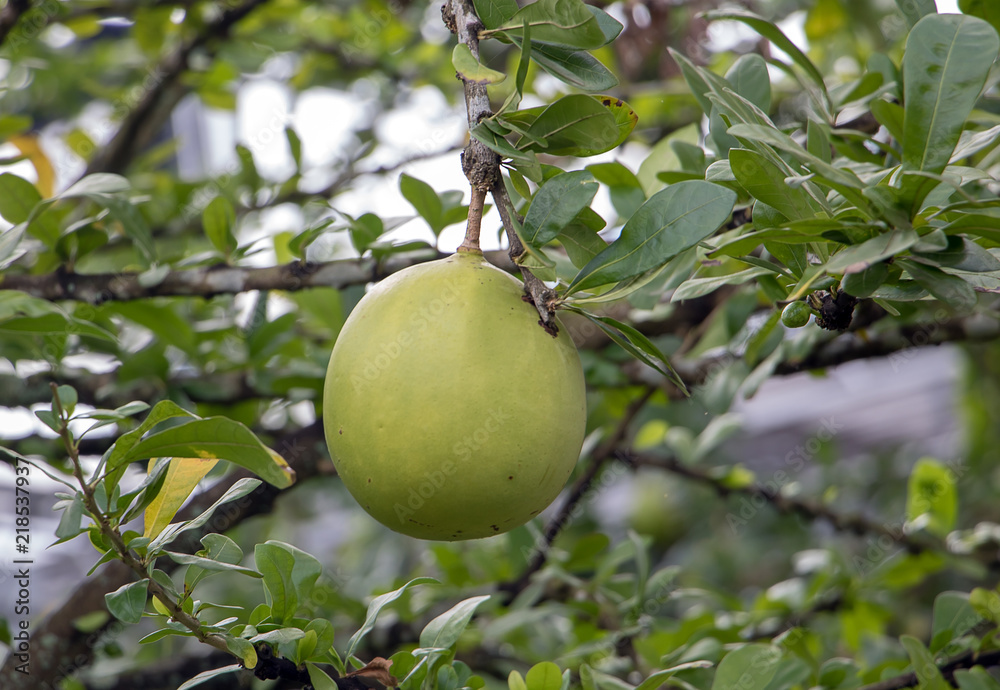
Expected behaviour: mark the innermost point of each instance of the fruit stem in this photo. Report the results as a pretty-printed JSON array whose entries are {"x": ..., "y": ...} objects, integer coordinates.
[{"x": 472, "y": 229}]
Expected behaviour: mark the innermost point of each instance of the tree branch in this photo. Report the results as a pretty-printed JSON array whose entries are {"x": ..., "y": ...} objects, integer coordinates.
[
  {"x": 125, "y": 554},
  {"x": 72, "y": 650},
  {"x": 208, "y": 281},
  {"x": 791, "y": 505},
  {"x": 139, "y": 123},
  {"x": 947, "y": 669},
  {"x": 604, "y": 452},
  {"x": 482, "y": 165}
]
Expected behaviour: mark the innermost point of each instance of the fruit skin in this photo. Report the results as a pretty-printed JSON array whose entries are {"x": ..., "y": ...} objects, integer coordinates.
[
  {"x": 796, "y": 314},
  {"x": 450, "y": 413}
]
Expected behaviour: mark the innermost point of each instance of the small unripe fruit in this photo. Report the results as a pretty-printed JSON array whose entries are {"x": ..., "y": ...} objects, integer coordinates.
[
  {"x": 450, "y": 413},
  {"x": 796, "y": 315}
]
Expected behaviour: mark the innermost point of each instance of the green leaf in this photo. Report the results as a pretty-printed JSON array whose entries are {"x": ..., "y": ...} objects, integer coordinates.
[
  {"x": 319, "y": 679},
  {"x": 954, "y": 616},
  {"x": 976, "y": 678},
  {"x": 424, "y": 199},
  {"x": 777, "y": 37},
  {"x": 750, "y": 79},
  {"x": 672, "y": 220},
  {"x": 543, "y": 676},
  {"x": 494, "y": 13},
  {"x": 625, "y": 121},
  {"x": 210, "y": 564},
  {"x": 766, "y": 181},
  {"x": 693, "y": 288},
  {"x": 98, "y": 184},
  {"x": 279, "y": 636},
  {"x": 655, "y": 680},
  {"x": 961, "y": 254},
  {"x": 18, "y": 198},
  {"x": 134, "y": 224},
  {"x": 610, "y": 27},
  {"x": 945, "y": 66},
  {"x": 574, "y": 125},
  {"x": 244, "y": 649},
  {"x": 471, "y": 70},
  {"x": 182, "y": 476},
  {"x": 365, "y": 229},
  {"x": 924, "y": 665},
  {"x": 163, "y": 410},
  {"x": 128, "y": 601},
  {"x": 215, "y": 437},
  {"x": 219, "y": 219},
  {"x": 864, "y": 283},
  {"x": 748, "y": 668},
  {"x": 218, "y": 548},
  {"x": 626, "y": 191},
  {"x": 972, "y": 142},
  {"x": 634, "y": 343},
  {"x": 931, "y": 498},
  {"x": 515, "y": 681},
  {"x": 556, "y": 204},
  {"x": 581, "y": 243},
  {"x": 890, "y": 116},
  {"x": 69, "y": 522},
  {"x": 984, "y": 9},
  {"x": 860, "y": 256},
  {"x": 295, "y": 146},
  {"x": 206, "y": 676},
  {"x": 275, "y": 565},
  {"x": 444, "y": 631},
  {"x": 948, "y": 288},
  {"x": 914, "y": 10},
  {"x": 559, "y": 22},
  {"x": 376, "y": 606},
  {"x": 238, "y": 490},
  {"x": 844, "y": 181},
  {"x": 577, "y": 68}
]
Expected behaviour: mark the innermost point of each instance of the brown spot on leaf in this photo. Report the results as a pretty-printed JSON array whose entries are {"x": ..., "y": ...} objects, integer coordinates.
[
  {"x": 607, "y": 102},
  {"x": 377, "y": 669}
]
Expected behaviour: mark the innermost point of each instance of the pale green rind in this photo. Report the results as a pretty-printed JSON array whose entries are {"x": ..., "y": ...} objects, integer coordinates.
[{"x": 449, "y": 412}]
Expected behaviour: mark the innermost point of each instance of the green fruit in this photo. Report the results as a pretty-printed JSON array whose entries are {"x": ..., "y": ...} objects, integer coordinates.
[
  {"x": 450, "y": 413},
  {"x": 796, "y": 315}
]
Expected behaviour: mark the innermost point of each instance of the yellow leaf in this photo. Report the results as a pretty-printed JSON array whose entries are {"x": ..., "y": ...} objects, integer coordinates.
[
  {"x": 183, "y": 476},
  {"x": 28, "y": 145}
]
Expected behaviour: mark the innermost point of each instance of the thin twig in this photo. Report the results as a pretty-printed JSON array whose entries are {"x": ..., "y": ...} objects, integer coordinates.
[
  {"x": 604, "y": 452},
  {"x": 73, "y": 649},
  {"x": 482, "y": 165},
  {"x": 125, "y": 554},
  {"x": 791, "y": 505},
  {"x": 473, "y": 227}
]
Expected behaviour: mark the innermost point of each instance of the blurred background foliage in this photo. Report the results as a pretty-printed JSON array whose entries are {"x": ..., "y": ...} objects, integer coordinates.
[{"x": 706, "y": 533}]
